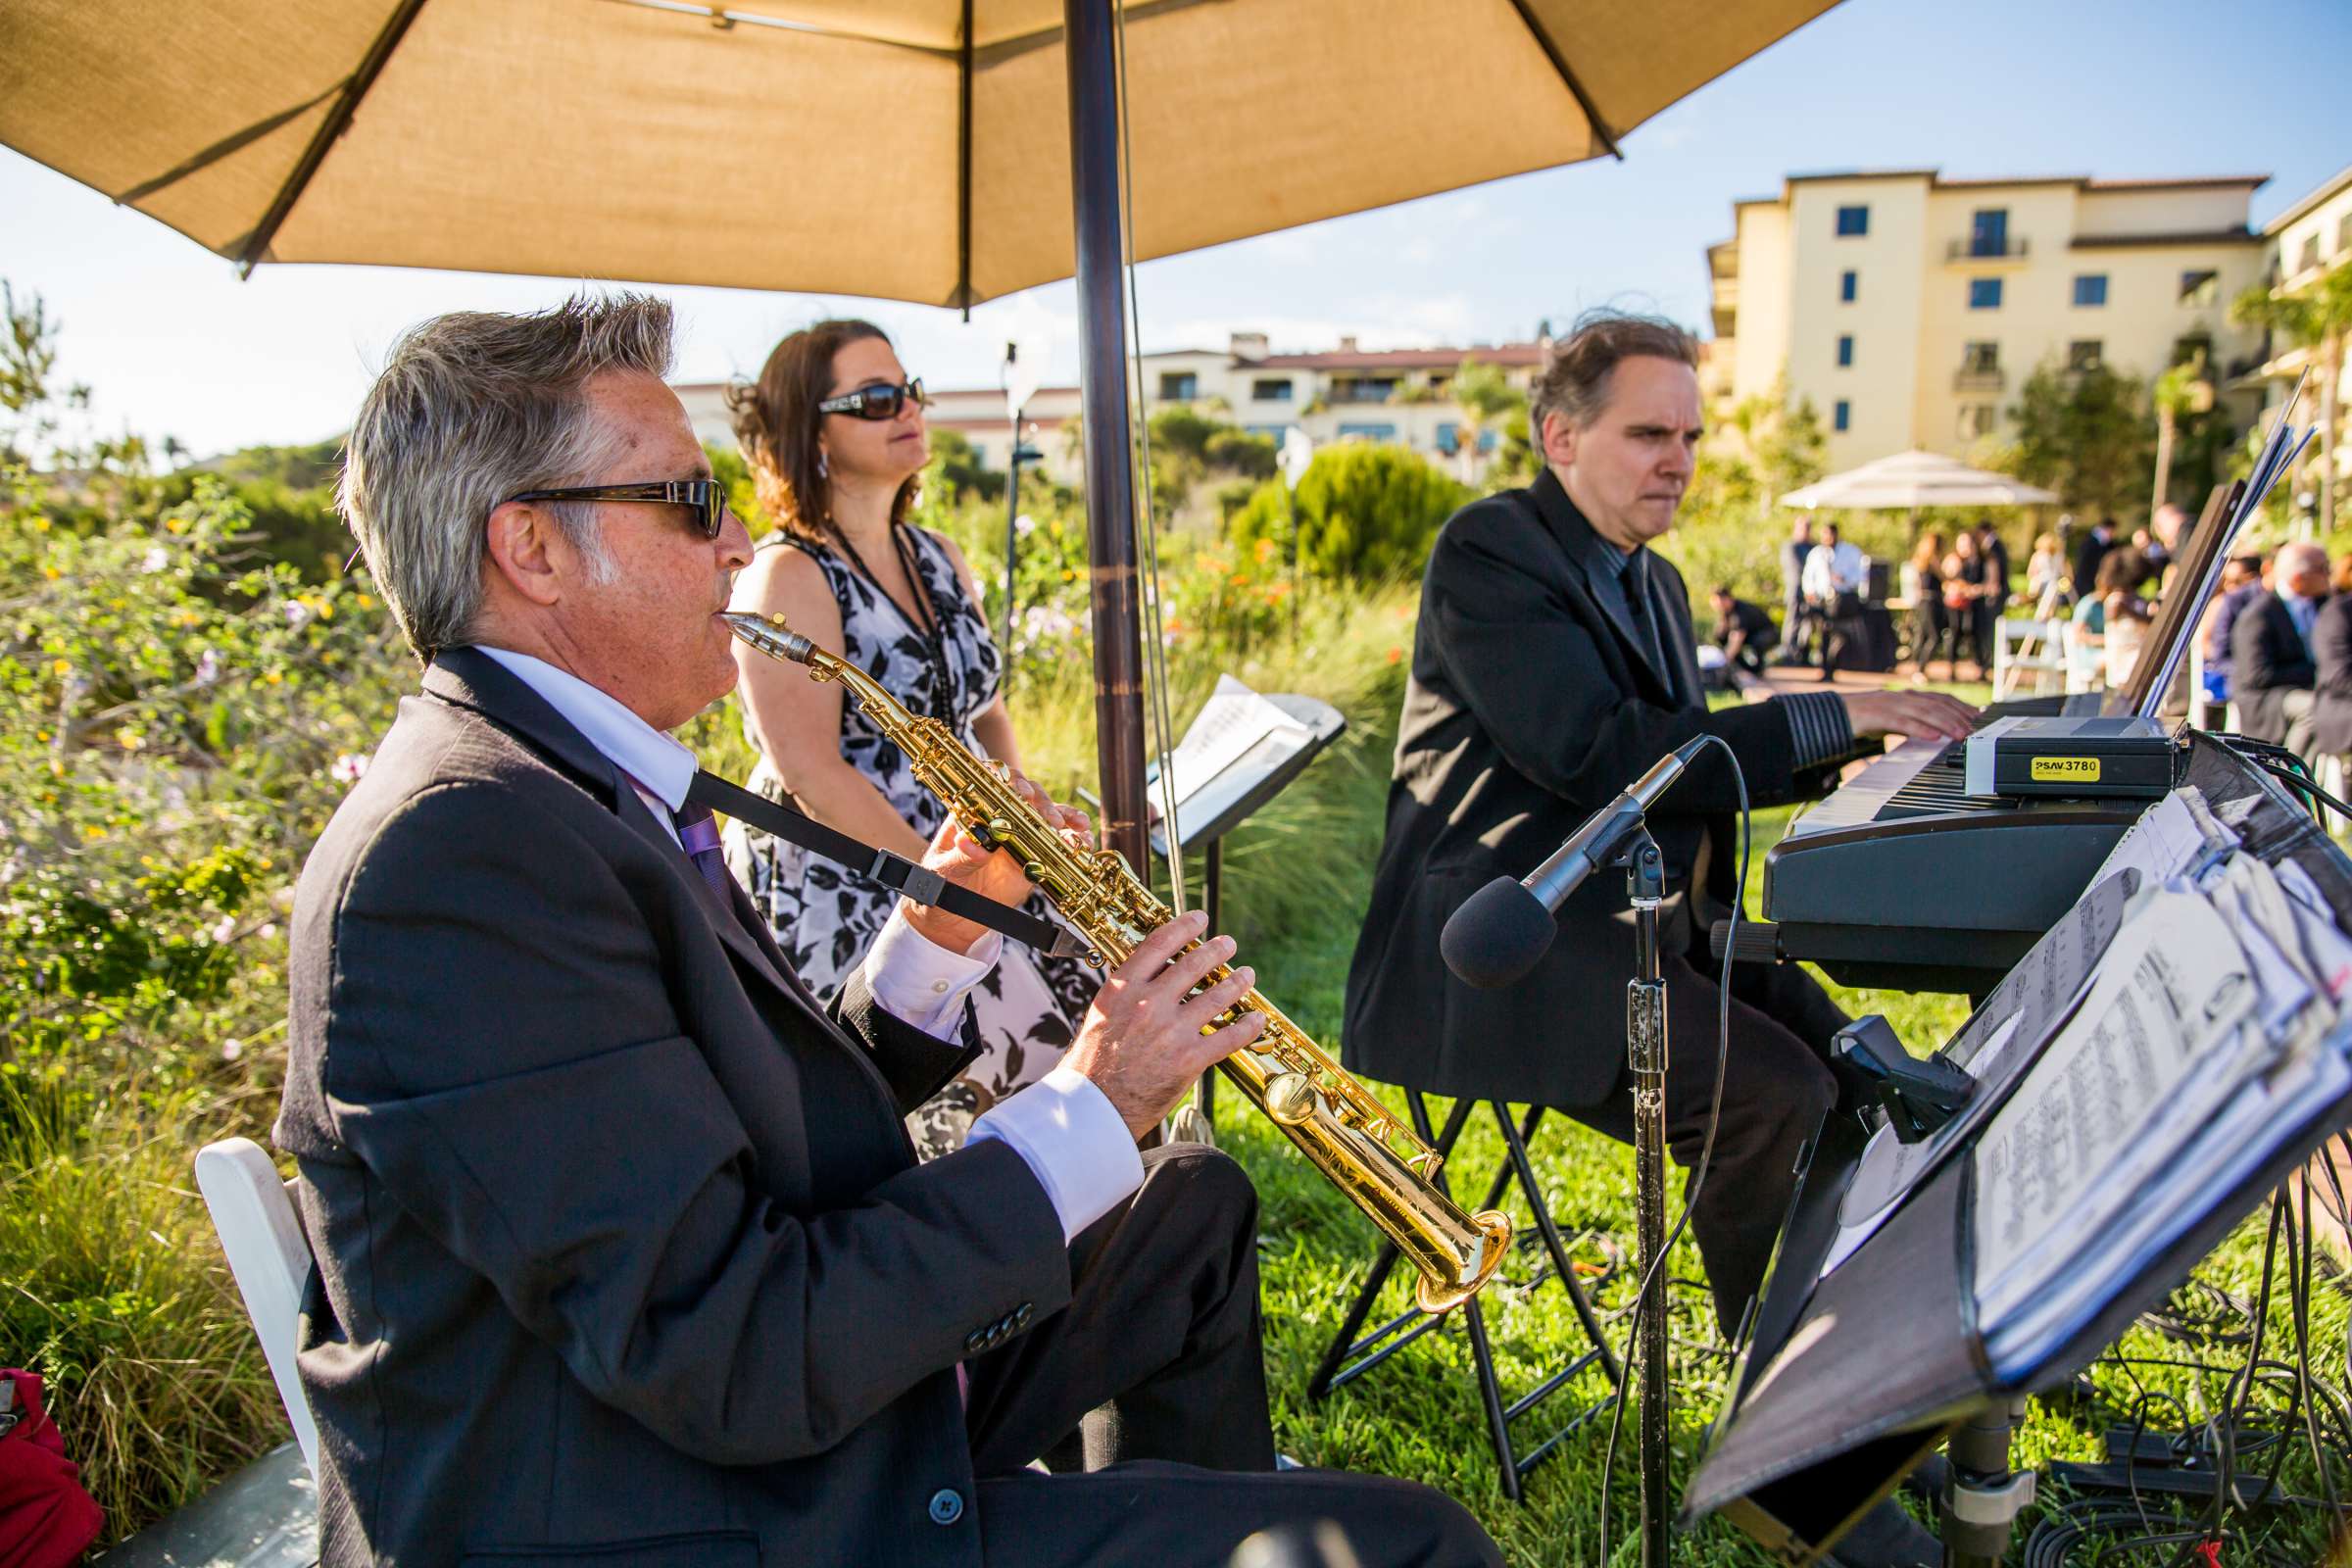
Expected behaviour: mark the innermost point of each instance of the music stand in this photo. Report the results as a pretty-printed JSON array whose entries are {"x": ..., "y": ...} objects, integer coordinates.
[
  {"x": 1243, "y": 749},
  {"x": 1853, "y": 1372}
]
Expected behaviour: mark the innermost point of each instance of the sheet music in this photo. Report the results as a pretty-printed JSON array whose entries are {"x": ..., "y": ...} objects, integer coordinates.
[
  {"x": 1230, "y": 724},
  {"x": 2172, "y": 988}
]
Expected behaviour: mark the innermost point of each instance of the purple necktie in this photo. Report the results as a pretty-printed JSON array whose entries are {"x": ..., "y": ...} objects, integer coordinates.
[{"x": 699, "y": 833}]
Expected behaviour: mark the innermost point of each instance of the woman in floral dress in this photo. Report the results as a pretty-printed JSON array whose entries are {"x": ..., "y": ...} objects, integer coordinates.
[{"x": 834, "y": 431}]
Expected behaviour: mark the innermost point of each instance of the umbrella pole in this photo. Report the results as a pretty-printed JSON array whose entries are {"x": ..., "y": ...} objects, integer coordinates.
[{"x": 1094, "y": 196}]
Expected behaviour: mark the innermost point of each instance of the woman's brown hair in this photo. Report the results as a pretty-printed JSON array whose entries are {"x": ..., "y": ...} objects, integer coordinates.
[
  {"x": 1928, "y": 550},
  {"x": 776, "y": 422}
]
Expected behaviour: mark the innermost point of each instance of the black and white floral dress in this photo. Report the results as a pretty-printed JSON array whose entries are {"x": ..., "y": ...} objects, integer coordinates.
[{"x": 826, "y": 918}]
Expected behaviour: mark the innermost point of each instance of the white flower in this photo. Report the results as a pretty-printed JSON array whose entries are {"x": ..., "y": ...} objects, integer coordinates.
[
  {"x": 231, "y": 1049},
  {"x": 223, "y": 929},
  {"x": 155, "y": 560},
  {"x": 268, "y": 933},
  {"x": 298, "y": 614},
  {"x": 208, "y": 668},
  {"x": 349, "y": 766},
  {"x": 1024, "y": 525}
]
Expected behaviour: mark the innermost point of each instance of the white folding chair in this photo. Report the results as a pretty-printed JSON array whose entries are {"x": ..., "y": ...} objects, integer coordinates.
[
  {"x": 254, "y": 1212},
  {"x": 2025, "y": 647}
]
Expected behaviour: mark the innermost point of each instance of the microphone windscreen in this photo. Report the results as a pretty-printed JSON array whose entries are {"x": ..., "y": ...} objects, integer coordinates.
[{"x": 1497, "y": 935}]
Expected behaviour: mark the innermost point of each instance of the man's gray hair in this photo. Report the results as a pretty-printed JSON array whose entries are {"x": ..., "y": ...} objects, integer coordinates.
[
  {"x": 1575, "y": 380},
  {"x": 471, "y": 409}
]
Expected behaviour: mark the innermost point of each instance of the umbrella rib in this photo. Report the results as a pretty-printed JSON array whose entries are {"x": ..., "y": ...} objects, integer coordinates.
[
  {"x": 233, "y": 142},
  {"x": 338, "y": 119},
  {"x": 1559, "y": 64},
  {"x": 723, "y": 17}
]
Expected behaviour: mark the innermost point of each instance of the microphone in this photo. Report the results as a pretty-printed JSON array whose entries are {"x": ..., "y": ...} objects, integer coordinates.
[{"x": 1503, "y": 929}]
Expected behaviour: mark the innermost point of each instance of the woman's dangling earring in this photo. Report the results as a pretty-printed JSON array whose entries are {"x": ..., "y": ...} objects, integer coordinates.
[{"x": 823, "y": 472}]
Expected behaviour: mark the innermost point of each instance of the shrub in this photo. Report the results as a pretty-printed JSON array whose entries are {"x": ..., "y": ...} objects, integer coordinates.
[{"x": 1365, "y": 514}]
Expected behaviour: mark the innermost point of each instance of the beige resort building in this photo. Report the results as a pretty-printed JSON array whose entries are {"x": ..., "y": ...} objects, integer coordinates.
[
  {"x": 2303, "y": 244},
  {"x": 1910, "y": 308}
]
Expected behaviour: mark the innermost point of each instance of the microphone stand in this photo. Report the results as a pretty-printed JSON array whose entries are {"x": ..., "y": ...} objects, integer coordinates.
[{"x": 1645, "y": 1060}]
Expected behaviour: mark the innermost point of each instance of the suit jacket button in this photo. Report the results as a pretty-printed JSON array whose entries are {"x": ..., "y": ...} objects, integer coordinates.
[
  {"x": 1020, "y": 1317},
  {"x": 947, "y": 1507},
  {"x": 975, "y": 1342}
]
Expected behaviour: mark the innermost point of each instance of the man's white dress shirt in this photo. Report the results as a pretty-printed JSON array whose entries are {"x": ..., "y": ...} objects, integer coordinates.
[
  {"x": 1832, "y": 570},
  {"x": 1062, "y": 1126}
]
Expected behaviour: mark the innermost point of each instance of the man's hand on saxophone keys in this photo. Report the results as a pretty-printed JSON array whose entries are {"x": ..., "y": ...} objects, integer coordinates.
[
  {"x": 1141, "y": 1043},
  {"x": 955, "y": 855}
]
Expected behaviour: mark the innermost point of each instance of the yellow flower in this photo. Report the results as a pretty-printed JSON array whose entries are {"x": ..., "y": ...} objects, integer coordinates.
[
  {"x": 51, "y": 572},
  {"x": 367, "y": 602},
  {"x": 40, "y": 525},
  {"x": 63, "y": 666},
  {"x": 93, "y": 831},
  {"x": 1265, "y": 550},
  {"x": 130, "y": 740}
]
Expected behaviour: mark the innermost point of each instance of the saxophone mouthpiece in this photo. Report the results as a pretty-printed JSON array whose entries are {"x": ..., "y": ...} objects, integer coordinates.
[{"x": 770, "y": 635}]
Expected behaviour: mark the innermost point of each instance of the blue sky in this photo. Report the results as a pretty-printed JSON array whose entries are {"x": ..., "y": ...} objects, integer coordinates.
[{"x": 172, "y": 343}]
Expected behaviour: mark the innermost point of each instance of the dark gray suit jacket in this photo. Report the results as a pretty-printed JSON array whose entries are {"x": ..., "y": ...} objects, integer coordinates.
[
  {"x": 2266, "y": 661},
  {"x": 623, "y": 1255},
  {"x": 1529, "y": 708}
]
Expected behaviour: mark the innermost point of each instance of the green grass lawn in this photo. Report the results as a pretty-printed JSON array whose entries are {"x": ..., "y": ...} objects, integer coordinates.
[{"x": 1418, "y": 1415}]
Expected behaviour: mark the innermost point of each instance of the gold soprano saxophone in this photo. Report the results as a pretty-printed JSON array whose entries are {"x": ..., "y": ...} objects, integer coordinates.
[{"x": 1342, "y": 1131}]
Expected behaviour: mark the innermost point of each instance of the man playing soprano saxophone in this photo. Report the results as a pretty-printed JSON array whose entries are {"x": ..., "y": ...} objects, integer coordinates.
[{"x": 623, "y": 1254}]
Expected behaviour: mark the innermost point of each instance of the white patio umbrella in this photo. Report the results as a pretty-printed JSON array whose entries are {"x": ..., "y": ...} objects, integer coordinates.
[{"x": 1911, "y": 481}]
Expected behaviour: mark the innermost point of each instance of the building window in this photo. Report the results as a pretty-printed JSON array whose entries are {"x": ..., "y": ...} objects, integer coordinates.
[
  {"x": 1989, "y": 232},
  {"x": 1853, "y": 221},
  {"x": 1450, "y": 437},
  {"x": 1979, "y": 358},
  {"x": 1363, "y": 389},
  {"x": 2084, "y": 354},
  {"x": 2344, "y": 234},
  {"x": 1841, "y": 414},
  {"x": 1984, "y": 293},
  {"x": 1178, "y": 386},
  {"x": 1271, "y": 391},
  {"x": 2311, "y": 254},
  {"x": 2090, "y": 289},
  {"x": 1368, "y": 432},
  {"x": 1845, "y": 350},
  {"x": 1975, "y": 420},
  {"x": 2200, "y": 287},
  {"x": 1847, "y": 282}
]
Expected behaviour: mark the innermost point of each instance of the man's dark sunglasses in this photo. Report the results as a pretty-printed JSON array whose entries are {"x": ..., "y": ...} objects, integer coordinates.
[
  {"x": 881, "y": 401},
  {"x": 707, "y": 497}
]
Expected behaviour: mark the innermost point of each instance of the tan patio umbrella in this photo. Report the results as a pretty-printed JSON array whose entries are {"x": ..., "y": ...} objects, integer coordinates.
[
  {"x": 1910, "y": 481},
  {"x": 907, "y": 149},
  {"x": 939, "y": 151}
]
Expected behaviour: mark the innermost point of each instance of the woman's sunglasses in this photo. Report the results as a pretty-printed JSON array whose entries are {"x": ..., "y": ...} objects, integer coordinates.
[{"x": 881, "y": 401}]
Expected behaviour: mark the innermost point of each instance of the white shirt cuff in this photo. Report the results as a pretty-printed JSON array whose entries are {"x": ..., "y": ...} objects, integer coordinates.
[
  {"x": 920, "y": 983},
  {"x": 1076, "y": 1143}
]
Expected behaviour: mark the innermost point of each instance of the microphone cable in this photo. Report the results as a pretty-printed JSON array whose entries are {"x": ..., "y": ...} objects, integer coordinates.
[{"x": 1646, "y": 1295}]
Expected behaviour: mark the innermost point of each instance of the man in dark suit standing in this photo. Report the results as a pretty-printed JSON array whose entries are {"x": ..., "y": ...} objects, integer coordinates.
[
  {"x": 1553, "y": 663},
  {"x": 624, "y": 1255},
  {"x": 2272, "y": 671},
  {"x": 2090, "y": 550},
  {"x": 1795, "y": 613}
]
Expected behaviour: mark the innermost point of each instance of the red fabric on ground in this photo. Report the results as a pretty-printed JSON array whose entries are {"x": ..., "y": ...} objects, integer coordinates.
[{"x": 46, "y": 1518}]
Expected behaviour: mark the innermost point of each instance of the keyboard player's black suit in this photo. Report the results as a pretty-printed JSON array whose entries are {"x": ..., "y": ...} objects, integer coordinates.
[{"x": 1529, "y": 706}]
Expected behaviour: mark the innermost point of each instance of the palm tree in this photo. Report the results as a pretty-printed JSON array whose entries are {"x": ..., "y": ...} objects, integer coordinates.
[
  {"x": 1485, "y": 396},
  {"x": 2317, "y": 316},
  {"x": 2178, "y": 391}
]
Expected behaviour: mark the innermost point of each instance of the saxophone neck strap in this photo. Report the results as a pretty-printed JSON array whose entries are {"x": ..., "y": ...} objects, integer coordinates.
[{"x": 893, "y": 871}]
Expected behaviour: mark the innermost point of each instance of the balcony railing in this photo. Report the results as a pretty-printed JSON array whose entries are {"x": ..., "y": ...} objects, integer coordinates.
[
  {"x": 1978, "y": 250},
  {"x": 1979, "y": 378}
]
